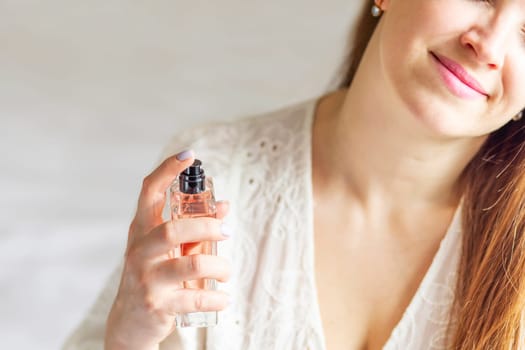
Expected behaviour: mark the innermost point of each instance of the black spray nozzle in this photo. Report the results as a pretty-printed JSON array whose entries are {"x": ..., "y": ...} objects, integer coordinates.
[{"x": 192, "y": 179}]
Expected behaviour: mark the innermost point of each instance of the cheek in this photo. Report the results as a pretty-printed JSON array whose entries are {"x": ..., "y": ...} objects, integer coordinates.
[
  {"x": 510, "y": 99},
  {"x": 410, "y": 23},
  {"x": 412, "y": 28},
  {"x": 414, "y": 16},
  {"x": 513, "y": 86}
]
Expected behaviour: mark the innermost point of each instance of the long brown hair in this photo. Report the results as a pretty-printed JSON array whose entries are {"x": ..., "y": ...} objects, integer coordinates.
[{"x": 489, "y": 303}]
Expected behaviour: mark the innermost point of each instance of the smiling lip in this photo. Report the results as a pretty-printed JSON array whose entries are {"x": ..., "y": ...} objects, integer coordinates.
[{"x": 457, "y": 79}]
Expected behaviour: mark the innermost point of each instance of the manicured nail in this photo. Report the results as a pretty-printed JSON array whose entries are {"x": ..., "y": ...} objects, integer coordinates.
[
  {"x": 184, "y": 155},
  {"x": 226, "y": 230}
]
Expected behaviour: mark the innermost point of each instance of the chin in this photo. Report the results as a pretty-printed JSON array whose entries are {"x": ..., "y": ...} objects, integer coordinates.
[{"x": 443, "y": 121}]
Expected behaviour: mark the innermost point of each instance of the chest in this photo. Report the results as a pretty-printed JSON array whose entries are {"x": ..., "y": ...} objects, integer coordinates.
[{"x": 366, "y": 280}]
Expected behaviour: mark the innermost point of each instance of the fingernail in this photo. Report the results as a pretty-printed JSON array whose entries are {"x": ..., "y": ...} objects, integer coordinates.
[
  {"x": 226, "y": 230},
  {"x": 184, "y": 155}
]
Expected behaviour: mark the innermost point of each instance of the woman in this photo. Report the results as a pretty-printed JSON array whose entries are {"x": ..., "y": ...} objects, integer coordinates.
[{"x": 407, "y": 181}]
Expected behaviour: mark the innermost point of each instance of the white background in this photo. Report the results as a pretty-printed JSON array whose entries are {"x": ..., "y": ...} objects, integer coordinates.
[{"x": 90, "y": 92}]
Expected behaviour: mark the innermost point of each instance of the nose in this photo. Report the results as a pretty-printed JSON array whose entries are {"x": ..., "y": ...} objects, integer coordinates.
[{"x": 488, "y": 41}]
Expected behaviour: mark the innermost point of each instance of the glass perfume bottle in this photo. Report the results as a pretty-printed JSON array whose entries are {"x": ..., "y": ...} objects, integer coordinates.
[{"x": 191, "y": 196}]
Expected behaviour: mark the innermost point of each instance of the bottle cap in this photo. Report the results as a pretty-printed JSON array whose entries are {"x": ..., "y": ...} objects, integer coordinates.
[{"x": 192, "y": 179}]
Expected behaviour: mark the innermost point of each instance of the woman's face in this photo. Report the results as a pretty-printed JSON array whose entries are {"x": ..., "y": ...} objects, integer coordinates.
[{"x": 458, "y": 65}]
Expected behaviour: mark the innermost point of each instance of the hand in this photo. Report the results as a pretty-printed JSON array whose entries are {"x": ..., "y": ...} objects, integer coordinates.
[{"x": 151, "y": 290}]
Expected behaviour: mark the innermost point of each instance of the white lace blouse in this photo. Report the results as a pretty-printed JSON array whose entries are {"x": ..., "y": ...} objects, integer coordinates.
[{"x": 263, "y": 166}]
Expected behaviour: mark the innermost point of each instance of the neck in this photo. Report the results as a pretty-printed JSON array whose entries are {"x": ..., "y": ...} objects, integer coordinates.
[{"x": 383, "y": 158}]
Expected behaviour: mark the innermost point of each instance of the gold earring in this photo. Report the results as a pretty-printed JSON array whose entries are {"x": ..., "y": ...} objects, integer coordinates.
[{"x": 518, "y": 116}]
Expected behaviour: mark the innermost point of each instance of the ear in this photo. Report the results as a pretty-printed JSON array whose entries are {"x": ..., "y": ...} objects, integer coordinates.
[{"x": 382, "y": 4}]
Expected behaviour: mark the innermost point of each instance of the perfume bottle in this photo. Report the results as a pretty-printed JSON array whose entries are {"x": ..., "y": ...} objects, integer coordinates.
[{"x": 191, "y": 196}]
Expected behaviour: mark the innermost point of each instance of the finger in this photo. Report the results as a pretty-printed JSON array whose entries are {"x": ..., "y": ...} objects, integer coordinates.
[
  {"x": 193, "y": 300},
  {"x": 192, "y": 267},
  {"x": 170, "y": 234},
  {"x": 153, "y": 194},
  {"x": 223, "y": 207}
]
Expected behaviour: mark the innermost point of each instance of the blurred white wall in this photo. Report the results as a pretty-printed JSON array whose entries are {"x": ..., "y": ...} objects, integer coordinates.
[{"x": 89, "y": 93}]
